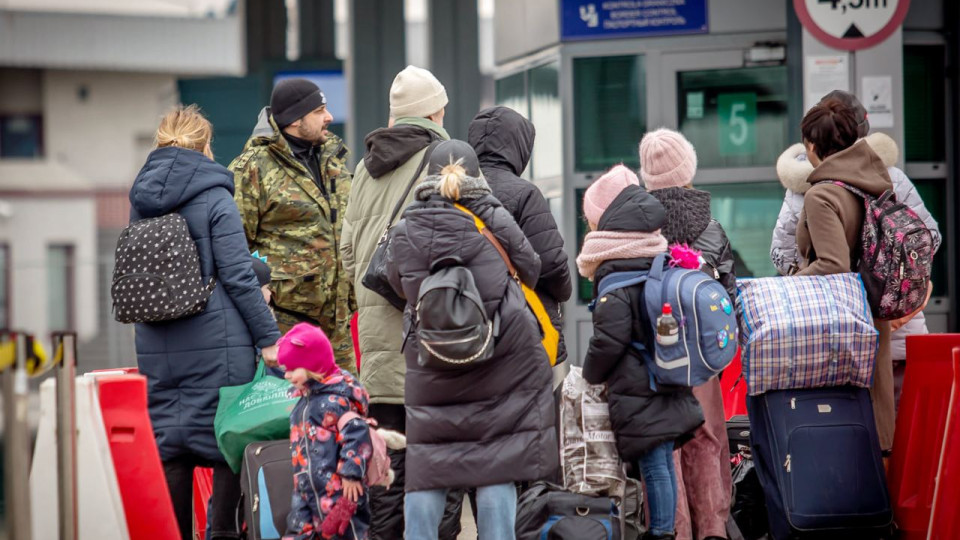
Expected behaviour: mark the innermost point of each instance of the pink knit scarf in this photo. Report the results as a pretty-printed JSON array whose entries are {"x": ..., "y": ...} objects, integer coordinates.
[{"x": 600, "y": 246}]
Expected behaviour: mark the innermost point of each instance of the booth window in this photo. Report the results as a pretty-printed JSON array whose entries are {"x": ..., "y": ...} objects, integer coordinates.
[
  {"x": 60, "y": 287},
  {"x": 933, "y": 193},
  {"x": 5, "y": 273},
  {"x": 535, "y": 94},
  {"x": 20, "y": 136},
  {"x": 546, "y": 114},
  {"x": 512, "y": 92},
  {"x": 924, "y": 128},
  {"x": 748, "y": 213},
  {"x": 584, "y": 285},
  {"x": 609, "y": 109},
  {"x": 735, "y": 117},
  {"x": 924, "y": 103}
]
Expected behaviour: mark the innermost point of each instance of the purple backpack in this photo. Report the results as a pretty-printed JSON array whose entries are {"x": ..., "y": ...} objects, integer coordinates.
[{"x": 896, "y": 255}]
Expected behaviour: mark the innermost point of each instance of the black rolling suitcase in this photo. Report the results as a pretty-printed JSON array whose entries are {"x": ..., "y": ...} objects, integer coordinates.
[
  {"x": 738, "y": 434},
  {"x": 266, "y": 479},
  {"x": 818, "y": 459}
]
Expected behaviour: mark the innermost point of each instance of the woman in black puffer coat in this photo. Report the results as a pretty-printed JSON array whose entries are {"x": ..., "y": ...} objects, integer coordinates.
[
  {"x": 668, "y": 164},
  {"x": 490, "y": 425}
]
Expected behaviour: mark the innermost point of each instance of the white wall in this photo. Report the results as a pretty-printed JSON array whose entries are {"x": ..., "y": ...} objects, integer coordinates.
[
  {"x": 35, "y": 223},
  {"x": 105, "y": 137},
  {"x": 884, "y": 59},
  {"x": 188, "y": 45}
]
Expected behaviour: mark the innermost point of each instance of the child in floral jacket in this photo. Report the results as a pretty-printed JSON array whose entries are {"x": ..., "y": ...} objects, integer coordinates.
[{"x": 329, "y": 498}]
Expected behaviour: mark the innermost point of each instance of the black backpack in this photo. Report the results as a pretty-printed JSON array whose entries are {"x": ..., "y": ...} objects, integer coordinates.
[
  {"x": 452, "y": 327},
  {"x": 548, "y": 511},
  {"x": 156, "y": 276}
]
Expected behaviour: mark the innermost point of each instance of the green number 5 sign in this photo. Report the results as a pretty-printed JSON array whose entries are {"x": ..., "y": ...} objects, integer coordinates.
[{"x": 738, "y": 116}]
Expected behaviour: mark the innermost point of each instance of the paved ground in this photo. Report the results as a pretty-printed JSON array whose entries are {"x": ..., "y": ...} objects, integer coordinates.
[{"x": 468, "y": 529}]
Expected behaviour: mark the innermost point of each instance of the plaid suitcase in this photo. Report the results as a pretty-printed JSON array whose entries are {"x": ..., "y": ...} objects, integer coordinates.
[{"x": 805, "y": 332}]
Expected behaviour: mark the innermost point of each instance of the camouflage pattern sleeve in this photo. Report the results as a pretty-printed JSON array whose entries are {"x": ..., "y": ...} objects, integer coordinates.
[{"x": 247, "y": 193}]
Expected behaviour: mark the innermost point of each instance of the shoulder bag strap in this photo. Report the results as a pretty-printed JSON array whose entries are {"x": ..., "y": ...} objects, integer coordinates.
[
  {"x": 413, "y": 180},
  {"x": 482, "y": 227}
]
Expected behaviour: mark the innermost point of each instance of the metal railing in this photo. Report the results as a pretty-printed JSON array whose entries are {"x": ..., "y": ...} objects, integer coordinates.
[{"x": 21, "y": 359}]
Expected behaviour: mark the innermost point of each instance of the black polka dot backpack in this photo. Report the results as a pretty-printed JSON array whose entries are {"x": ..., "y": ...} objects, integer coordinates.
[{"x": 156, "y": 276}]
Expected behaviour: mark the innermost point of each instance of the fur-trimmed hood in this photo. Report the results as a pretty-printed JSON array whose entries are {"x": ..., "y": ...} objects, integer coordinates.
[{"x": 793, "y": 167}]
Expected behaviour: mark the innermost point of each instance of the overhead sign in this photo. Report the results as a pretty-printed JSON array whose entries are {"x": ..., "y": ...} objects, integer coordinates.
[
  {"x": 598, "y": 19},
  {"x": 851, "y": 25}
]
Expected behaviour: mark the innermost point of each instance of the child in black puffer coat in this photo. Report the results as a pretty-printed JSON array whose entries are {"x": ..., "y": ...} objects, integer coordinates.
[
  {"x": 668, "y": 164},
  {"x": 625, "y": 222}
]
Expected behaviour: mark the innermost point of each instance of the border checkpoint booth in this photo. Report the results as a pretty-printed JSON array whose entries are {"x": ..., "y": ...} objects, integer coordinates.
[{"x": 736, "y": 79}]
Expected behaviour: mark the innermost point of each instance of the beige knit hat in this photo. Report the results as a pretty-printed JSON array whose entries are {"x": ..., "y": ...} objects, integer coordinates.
[
  {"x": 416, "y": 92},
  {"x": 667, "y": 159}
]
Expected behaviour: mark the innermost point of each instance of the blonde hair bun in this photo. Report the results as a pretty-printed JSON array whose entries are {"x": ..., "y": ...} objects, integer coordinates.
[
  {"x": 185, "y": 127},
  {"x": 451, "y": 175}
]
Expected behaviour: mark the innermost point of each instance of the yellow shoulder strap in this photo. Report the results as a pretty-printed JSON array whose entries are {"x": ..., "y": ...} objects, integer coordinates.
[{"x": 476, "y": 220}]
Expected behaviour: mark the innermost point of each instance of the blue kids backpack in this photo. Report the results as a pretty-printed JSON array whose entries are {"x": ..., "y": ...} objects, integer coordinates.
[{"x": 708, "y": 326}]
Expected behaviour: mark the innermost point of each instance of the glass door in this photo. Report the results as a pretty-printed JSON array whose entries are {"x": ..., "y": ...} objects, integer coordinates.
[{"x": 736, "y": 117}]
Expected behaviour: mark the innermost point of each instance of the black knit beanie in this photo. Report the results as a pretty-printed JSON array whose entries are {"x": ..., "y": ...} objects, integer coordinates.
[
  {"x": 292, "y": 99},
  {"x": 262, "y": 271}
]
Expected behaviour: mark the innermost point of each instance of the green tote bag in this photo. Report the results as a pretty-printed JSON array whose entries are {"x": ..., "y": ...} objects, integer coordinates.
[{"x": 256, "y": 411}]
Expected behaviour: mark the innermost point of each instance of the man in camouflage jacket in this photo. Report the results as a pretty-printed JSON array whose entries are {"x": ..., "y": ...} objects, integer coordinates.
[{"x": 292, "y": 186}]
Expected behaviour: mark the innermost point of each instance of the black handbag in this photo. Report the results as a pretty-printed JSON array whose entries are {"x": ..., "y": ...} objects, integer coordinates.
[{"x": 375, "y": 278}]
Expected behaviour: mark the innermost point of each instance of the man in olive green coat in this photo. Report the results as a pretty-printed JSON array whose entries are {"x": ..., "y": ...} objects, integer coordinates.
[
  {"x": 292, "y": 185},
  {"x": 393, "y": 154}
]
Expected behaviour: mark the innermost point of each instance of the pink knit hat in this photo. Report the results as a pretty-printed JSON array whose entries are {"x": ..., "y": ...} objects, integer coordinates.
[
  {"x": 605, "y": 189},
  {"x": 306, "y": 346},
  {"x": 667, "y": 159}
]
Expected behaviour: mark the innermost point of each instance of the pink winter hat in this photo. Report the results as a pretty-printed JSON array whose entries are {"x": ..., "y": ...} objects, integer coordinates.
[
  {"x": 667, "y": 159},
  {"x": 306, "y": 346},
  {"x": 605, "y": 189}
]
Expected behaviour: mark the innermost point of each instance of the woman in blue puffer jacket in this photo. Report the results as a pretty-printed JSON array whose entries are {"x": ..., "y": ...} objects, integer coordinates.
[{"x": 186, "y": 361}]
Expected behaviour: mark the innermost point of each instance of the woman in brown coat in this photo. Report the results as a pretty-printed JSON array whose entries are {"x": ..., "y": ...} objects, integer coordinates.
[{"x": 828, "y": 234}]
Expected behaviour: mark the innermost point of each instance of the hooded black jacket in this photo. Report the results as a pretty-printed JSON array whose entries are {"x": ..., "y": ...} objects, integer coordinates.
[
  {"x": 689, "y": 222},
  {"x": 503, "y": 140},
  {"x": 493, "y": 423},
  {"x": 641, "y": 418}
]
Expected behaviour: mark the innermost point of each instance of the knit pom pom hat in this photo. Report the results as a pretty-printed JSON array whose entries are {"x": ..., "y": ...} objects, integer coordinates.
[
  {"x": 306, "y": 346},
  {"x": 605, "y": 189},
  {"x": 667, "y": 159}
]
